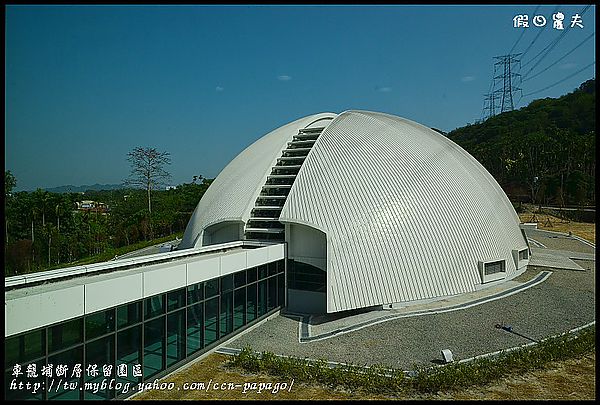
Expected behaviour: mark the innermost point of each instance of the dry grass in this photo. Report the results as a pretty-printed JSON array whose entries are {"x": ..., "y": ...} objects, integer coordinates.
[
  {"x": 584, "y": 230},
  {"x": 573, "y": 379},
  {"x": 570, "y": 379},
  {"x": 213, "y": 368}
]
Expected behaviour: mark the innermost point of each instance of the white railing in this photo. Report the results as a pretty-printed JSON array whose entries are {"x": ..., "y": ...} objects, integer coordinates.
[{"x": 15, "y": 281}]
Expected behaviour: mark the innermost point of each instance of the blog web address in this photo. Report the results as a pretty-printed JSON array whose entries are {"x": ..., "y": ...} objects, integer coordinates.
[{"x": 123, "y": 388}]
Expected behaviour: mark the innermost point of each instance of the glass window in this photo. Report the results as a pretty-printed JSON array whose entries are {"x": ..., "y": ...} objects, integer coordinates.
[
  {"x": 239, "y": 308},
  {"x": 195, "y": 293},
  {"x": 129, "y": 351},
  {"x": 272, "y": 295},
  {"x": 68, "y": 358},
  {"x": 24, "y": 394},
  {"x": 281, "y": 289},
  {"x": 262, "y": 297},
  {"x": 226, "y": 316},
  {"x": 65, "y": 334},
  {"x": 239, "y": 279},
  {"x": 97, "y": 354},
  {"x": 263, "y": 271},
  {"x": 251, "y": 307},
  {"x": 154, "y": 346},
  {"x": 99, "y": 323},
  {"x": 272, "y": 268},
  {"x": 280, "y": 266},
  {"x": 211, "y": 288},
  {"x": 24, "y": 348},
  {"x": 195, "y": 322},
  {"x": 175, "y": 337},
  {"x": 129, "y": 314},
  {"x": 211, "y": 313},
  {"x": 227, "y": 283},
  {"x": 155, "y": 306},
  {"x": 176, "y": 299},
  {"x": 302, "y": 276},
  {"x": 251, "y": 274}
]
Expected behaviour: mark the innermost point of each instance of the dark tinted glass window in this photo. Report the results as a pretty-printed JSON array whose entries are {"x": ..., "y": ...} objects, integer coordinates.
[
  {"x": 262, "y": 297},
  {"x": 239, "y": 279},
  {"x": 68, "y": 358},
  {"x": 155, "y": 306},
  {"x": 21, "y": 349},
  {"x": 175, "y": 337},
  {"x": 252, "y": 304},
  {"x": 227, "y": 283},
  {"x": 239, "y": 308},
  {"x": 226, "y": 315},
  {"x": 176, "y": 300},
  {"x": 211, "y": 316},
  {"x": 99, "y": 324},
  {"x": 129, "y": 314},
  {"x": 99, "y": 353},
  {"x": 195, "y": 323},
  {"x": 211, "y": 288},
  {"x": 195, "y": 293},
  {"x": 251, "y": 274},
  {"x": 263, "y": 271},
  {"x": 65, "y": 334},
  {"x": 272, "y": 294},
  {"x": 154, "y": 346},
  {"x": 129, "y": 351},
  {"x": 272, "y": 268}
]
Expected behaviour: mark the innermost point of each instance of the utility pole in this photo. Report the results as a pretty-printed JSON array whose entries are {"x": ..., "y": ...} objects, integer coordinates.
[{"x": 505, "y": 64}]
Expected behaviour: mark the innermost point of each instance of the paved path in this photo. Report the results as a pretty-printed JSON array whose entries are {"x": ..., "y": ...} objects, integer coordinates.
[{"x": 565, "y": 300}]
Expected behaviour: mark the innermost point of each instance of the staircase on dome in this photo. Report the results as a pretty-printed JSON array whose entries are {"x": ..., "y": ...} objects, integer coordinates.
[{"x": 264, "y": 224}]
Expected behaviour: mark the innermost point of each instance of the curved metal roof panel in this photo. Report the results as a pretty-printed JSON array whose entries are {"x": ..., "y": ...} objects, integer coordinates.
[
  {"x": 408, "y": 214},
  {"x": 232, "y": 194}
]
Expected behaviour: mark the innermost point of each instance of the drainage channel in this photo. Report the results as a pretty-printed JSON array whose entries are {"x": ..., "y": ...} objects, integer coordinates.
[{"x": 306, "y": 338}]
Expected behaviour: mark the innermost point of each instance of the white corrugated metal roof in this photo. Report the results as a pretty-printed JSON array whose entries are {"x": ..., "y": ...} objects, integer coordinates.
[
  {"x": 232, "y": 195},
  {"x": 407, "y": 212}
]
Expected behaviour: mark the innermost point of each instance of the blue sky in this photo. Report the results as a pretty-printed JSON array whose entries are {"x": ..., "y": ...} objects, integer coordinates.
[{"x": 86, "y": 84}]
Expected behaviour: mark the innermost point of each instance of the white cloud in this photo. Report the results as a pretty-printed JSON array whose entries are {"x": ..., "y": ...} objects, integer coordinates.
[
  {"x": 219, "y": 88},
  {"x": 383, "y": 89},
  {"x": 284, "y": 78},
  {"x": 567, "y": 65},
  {"x": 467, "y": 79}
]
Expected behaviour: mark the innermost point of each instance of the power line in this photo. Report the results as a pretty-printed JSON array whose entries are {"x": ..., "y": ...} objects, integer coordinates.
[
  {"x": 536, "y": 37},
  {"x": 561, "y": 58},
  {"x": 553, "y": 44},
  {"x": 560, "y": 81},
  {"x": 522, "y": 33}
]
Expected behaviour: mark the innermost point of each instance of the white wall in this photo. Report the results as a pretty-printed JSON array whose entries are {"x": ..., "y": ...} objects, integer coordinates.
[{"x": 33, "y": 307}]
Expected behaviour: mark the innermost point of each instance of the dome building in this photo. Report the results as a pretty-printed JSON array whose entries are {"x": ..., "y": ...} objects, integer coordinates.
[{"x": 375, "y": 210}]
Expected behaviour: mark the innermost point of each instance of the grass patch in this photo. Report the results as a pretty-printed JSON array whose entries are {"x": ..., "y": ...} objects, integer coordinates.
[{"x": 381, "y": 380}]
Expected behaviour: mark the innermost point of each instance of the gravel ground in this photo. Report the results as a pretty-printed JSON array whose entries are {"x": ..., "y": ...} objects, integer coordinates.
[
  {"x": 564, "y": 301},
  {"x": 558, "y": 241}
]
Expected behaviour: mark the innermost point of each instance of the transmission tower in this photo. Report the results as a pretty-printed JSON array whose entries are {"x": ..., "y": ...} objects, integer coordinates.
[
  {"x": 490, "y": 103},
  {"x": 508, "y": 78}
]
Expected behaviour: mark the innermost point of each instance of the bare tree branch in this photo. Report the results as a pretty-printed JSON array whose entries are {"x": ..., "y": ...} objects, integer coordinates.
[{"x": 147, "y": 170}]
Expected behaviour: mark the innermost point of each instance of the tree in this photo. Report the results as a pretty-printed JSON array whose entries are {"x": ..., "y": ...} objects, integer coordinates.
[
  {"x": 147, "y": 170},
  {"x": 9, "y": 183}
]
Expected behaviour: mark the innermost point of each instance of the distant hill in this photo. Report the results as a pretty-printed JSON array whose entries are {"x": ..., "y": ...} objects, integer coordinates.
[
  {"x": 78, "y": 189},
  {"x": 544, "y": 152}
]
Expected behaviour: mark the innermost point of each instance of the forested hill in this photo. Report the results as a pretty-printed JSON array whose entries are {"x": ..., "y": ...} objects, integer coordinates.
[{"x": 545, "y": 152}]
